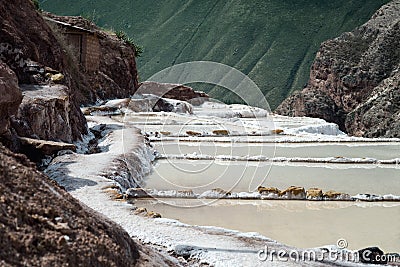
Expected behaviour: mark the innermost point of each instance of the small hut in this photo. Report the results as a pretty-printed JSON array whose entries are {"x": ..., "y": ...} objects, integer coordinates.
[{"x": 84, "y": 42}]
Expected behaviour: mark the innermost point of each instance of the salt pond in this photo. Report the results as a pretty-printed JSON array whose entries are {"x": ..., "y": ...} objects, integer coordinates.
[
  {"x": 289, "y": 150},
  {"x": 302, "y": 224},
  {"x": 298, "y": 223},
  {"x": 201, "y": 175}
]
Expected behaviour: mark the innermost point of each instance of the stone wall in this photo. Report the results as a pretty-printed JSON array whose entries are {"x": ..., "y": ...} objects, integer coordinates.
[
  {"x": 85, "y": 47},
  {"x": 91, "y": 52}
]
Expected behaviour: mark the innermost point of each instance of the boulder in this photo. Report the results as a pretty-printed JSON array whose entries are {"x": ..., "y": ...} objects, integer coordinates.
[
  {"x": 333, "y": 195},
  {"x": 140, "y": 105},
  {"x": 57, "y": 78},
  {"x": 10, "y": 98},
  {"x": 268, "y": 190},
  {"x": 36, "y": 149},
  {"x": 293, "y": 192},
  {"x": 150, "y": 103},
  {"x": 46, "y": 112},
  {"x": 140, "y": 210},
  {"x": 314, "y": 194},
  {"x": 166, "y": 133},
  {"x": 153, "y": 214},
  {"x": 220, "y": 132},
  {"x": 276, "y": 131},
  {"x": 173, "y": 91},
  {"x": 136, "y": 193},
  {"x": 193, "y": 133},
  {"x": 172, "y": 105}
]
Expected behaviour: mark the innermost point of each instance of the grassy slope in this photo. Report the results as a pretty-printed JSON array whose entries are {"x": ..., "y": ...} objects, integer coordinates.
[{"x": 273, "y": 41}]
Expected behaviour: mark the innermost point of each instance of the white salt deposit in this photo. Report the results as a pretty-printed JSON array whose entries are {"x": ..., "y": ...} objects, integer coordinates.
[{"x": 128, "y": 162}]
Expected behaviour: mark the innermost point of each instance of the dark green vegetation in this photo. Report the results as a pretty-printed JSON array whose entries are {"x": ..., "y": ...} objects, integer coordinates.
[
  {"x": 124, "y": 37},
  {"x": 36, "y": 4},
  {"x": 273, "y": 41}
]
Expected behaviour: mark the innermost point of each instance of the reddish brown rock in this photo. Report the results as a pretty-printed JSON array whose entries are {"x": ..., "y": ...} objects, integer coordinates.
[
  {"x": 193, "y": 133},
  {"x": 42, "y": 225},
  {"x": 20, "y": 42},
  {"x": 10, "y": 97},
  {"x": 173, "y": 91},
  {"x": 268, "y": 190},
  {"x": 332, "y": 195},
  {"x": 220, "y": 132},
  {"x": 45, "y": 113},
  {"x": 30, "y": 55},
  {"x": 36, "y": 149},
  {"x": 153, "y": 214},
  {"x": 293, "y": 192},
  {"x": 47, "y": 58},
  {"x": 314, "y": 194},
  {"x": 354, "y": 80}
]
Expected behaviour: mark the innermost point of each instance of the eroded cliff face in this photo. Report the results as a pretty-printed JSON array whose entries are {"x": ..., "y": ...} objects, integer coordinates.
[
  {"x": 28, "y": 47},
  {"x": 42, "y": 225},
  {"x": 53, "y": 82},
  {"x": 10, "y": 97},
  {"x": 45, "y": 113},
  {"x": 354, "y": 80},
  {"x": 41, "y": 89}
]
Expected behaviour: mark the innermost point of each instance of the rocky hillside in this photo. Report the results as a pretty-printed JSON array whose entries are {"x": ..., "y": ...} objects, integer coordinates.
[
  {"x": 29, "y": 57},
  {"x": 42, "y": 225},
  {"x": 41, "y": 88},
  {"x": 37, "y": 60},
  {"x": 355, "y": 79},
  {"x": 10, "y": 97},
  {"x": 272, "y": 41}
]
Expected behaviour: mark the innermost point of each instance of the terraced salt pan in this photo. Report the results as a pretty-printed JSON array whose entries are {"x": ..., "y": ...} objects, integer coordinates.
[
  {"x": 83, "y": 176},
  {"x": 302, "y": 224},
  {"x": 298, "y": 223},
  {"x": 206, "y": 128},
  {"x": 203, "y": 175}
]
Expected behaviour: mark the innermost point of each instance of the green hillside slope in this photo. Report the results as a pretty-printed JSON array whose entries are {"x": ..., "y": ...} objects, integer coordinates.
[{"x": 273, "y": 41}]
